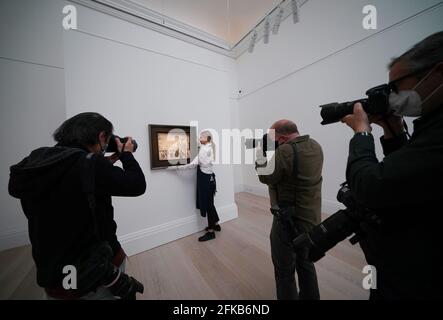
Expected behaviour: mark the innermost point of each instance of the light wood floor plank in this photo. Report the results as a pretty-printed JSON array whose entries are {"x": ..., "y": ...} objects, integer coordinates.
[{"x": 236, "y": 265}]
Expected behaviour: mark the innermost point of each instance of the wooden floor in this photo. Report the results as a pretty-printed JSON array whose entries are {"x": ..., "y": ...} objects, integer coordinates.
[{"x": 236, "y": 265}]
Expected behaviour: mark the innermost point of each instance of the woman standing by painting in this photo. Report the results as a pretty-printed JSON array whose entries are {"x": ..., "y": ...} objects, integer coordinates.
[{"x": 206, "y": 184}]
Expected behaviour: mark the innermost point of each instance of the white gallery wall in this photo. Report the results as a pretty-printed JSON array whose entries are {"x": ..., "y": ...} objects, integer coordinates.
[
  {"x": 326, "y": 57},
  {"x": 32, "y": 95},
  {"x": 134, "y": 77}
]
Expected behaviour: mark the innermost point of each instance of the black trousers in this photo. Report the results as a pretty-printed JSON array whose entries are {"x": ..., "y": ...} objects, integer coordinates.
[
  {"x": 212, "y": 213},
  {"x": 286, "y": 262}
]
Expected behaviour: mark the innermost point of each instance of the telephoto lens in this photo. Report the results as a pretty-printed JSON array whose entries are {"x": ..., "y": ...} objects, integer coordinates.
[
  {"x": 377, "y": 103},
  {"x": 333, "y": 230},
  {"x": 124, "y": 287},
  {"x": 96, "y": 269},
  {"x": 325, "y": 236},
  {"x": 334, "y": 112}
]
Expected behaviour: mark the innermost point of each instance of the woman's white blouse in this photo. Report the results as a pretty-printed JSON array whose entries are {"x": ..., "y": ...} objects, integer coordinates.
[{"x": 205, "y": 160}]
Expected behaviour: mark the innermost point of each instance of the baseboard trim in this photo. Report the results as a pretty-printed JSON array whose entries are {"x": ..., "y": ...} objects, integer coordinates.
[
  {"x": 261, "y": 191},
  {"x": 13, "y": 238},
  {"x": 146, "y": 239},
  {"x": 239, "y": 188},
  {"x": 328, "y": 206},
  {"x": 141, "y": 240}
]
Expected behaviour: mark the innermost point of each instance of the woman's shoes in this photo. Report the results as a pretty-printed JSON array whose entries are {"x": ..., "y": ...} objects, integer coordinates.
[
  {"x": 208, "y": 236},
  {"x": 217, "y": 228}
]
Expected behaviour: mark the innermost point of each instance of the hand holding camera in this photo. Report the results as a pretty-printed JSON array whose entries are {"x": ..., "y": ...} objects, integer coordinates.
[
  {"x": 119, "y": 145},
  {"x": 359, "y": 120},
  {"x": 125, "y": 146},
  {"x": 260, "y": 156},
  {"x": 392, "y": 124},
  {"x": 113, "y": 159}
]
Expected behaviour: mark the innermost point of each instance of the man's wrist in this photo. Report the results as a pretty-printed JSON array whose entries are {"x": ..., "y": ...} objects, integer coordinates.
[
  {"x": 363, "y": 129},
  {"x": 363, "y": 133}
]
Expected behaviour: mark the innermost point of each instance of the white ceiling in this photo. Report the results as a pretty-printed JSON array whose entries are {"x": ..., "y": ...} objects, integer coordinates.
[{"x": 228, "y": 20}]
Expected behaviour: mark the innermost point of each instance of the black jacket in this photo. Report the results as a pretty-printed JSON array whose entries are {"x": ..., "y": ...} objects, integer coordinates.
[
  {"x": 406, "y": 192},
  {"x": 50, "y": 183}
]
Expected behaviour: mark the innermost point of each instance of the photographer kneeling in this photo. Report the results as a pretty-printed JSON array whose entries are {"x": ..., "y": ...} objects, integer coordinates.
[
  {"x": 294, "y": 178},
  {"x": 405, "y": 188},
  {"x": 65, "y": 193}
]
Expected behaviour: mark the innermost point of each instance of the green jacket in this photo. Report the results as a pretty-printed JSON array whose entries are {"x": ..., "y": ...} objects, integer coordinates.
[{"x": 303, "y": 190}]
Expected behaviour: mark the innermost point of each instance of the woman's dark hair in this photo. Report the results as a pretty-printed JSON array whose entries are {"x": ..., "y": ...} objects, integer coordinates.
[{"x": 83, "y": 129}]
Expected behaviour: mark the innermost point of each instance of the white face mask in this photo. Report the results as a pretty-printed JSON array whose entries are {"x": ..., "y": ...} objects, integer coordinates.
[
  {"x": 104, "y": 148},
  {"x": 405, "y": 103},
  {"x": 408, "y": 103}
]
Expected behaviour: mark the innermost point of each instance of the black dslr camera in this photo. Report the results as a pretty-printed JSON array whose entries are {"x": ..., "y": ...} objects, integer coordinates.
[
  {"x": 112, "y": 147},
  {"x": 377, "y": 103},
  {"x": 351, "y": 221}
]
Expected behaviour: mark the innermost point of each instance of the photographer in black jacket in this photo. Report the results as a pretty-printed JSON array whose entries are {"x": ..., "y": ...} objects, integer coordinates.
[
  {"x": 65, "y": 192},
  {"x": 405, "y": 188}
]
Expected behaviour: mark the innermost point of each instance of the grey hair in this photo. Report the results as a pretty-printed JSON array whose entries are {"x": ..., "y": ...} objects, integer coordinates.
[{"x": 424, "y": 55}]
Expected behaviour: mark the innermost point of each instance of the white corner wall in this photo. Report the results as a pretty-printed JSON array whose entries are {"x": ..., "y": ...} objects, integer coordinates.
[
  {"x": 32, "y": 95},
  {"x": 131, "y": 75},
  {"x": 326, "y": 57}
]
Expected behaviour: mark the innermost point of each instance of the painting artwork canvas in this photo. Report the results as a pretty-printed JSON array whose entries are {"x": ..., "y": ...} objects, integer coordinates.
[
  {"x": 170, "y": 145},
  {"x": 173, "y": 146}
]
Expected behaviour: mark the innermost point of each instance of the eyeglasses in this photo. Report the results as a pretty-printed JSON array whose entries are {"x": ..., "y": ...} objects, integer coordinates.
[{"x": 393, "y": 85}]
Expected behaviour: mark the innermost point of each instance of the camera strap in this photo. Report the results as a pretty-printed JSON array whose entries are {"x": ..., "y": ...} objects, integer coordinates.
[
  {"x": 294, "y": 165},
  {"x": 285, "y": 213},
  {"x": 295, "y": 162}
]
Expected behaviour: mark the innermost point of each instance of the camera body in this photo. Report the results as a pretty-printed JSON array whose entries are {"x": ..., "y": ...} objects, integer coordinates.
[
  {"x": 112, "y": 147},
  {"x": 267, "y": 144},
  {"x": 377, "y": 103}
]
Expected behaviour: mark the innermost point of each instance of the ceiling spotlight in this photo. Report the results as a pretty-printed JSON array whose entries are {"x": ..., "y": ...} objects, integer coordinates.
[
  {"x": 295, "y": 11},
  {"x": 252, "y": 43},
  {"x": 266, "y": 32},
  {"x": 278, "y": 19}
]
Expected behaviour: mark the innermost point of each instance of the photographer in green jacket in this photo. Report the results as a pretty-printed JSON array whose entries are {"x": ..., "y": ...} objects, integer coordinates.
[{"x": 294, "y": 177}]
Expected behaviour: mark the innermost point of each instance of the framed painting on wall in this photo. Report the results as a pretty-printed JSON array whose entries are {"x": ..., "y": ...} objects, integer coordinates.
[{"x": 170, "y": 145}]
